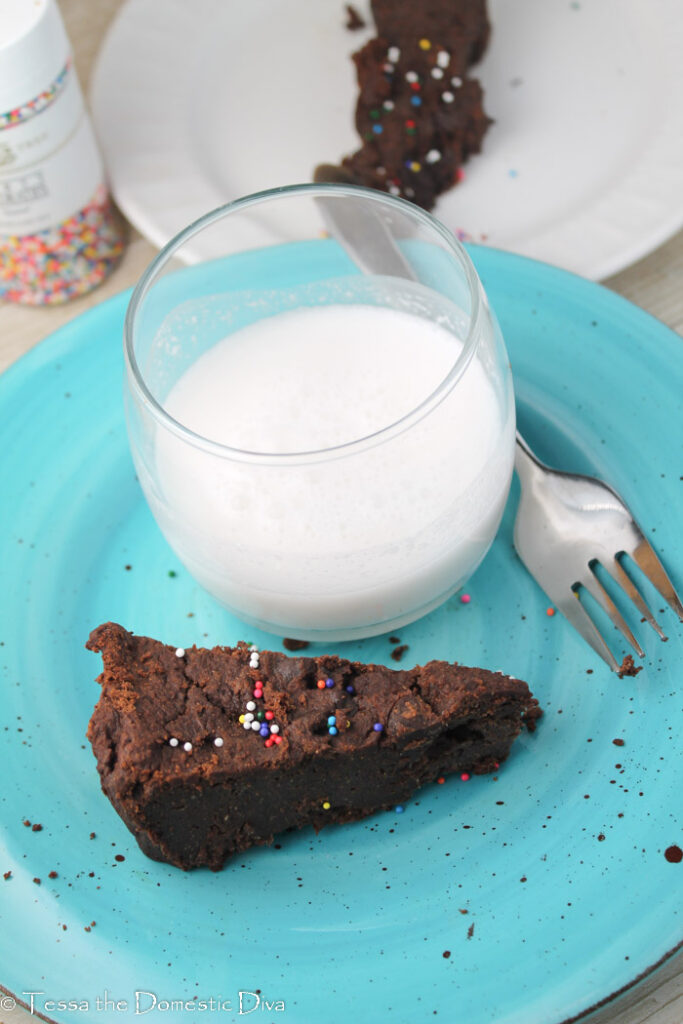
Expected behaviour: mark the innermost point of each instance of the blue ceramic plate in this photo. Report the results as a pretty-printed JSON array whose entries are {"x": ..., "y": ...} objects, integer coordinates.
[{"x": 524, "y": 898}]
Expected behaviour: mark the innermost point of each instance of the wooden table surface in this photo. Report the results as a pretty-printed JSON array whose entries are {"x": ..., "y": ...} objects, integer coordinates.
[{"x": 655, "y": 284}]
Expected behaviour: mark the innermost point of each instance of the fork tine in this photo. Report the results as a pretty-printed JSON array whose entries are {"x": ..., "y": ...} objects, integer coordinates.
[
  {"x": 571, "y": 607},
  {"x": 597, "y": 591},
  {"x": 620, "y": 576},
  {"x": 645, "y": 557}
]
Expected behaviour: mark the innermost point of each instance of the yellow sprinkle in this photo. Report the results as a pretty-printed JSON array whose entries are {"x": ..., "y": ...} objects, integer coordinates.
[
  {"x": 241, "y": 719},
  {"x": 415, "y": 166},
  {"x": 326, "y": 805},
  {"x": 425, "y": 44}
]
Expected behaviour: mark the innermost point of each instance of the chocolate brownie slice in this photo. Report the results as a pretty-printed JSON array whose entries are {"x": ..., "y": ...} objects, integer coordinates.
[
  {"x": 207, "y": 752},
  {"x": 418, "y": 113}
]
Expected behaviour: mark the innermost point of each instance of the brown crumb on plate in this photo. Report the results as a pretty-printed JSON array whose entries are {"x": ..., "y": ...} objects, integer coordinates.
[{"x": 628, "y": 667}]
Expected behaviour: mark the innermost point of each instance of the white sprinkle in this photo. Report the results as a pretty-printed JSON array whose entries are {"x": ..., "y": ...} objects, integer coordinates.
[
  {"x": 246, "y": 724},
  {"x": 218, "y": 742},
  {"x": 411, "y": 76},
  {"x": 251, "y": 705},
  {"x": 388, "y": 104},
  {"x": 382, "y": 171},
  {"x": 394, "y": 54},
  {"x": 249, "y": 717},
  {"x": 275, "y": 728},
  {"x": 173, "y": 742},
  {"x": 447, "y": 97},
  {"x": 443, "y": 59},
  {"x": 433, "y": 156},
  {"x": 187, "y": 746},
  {"x": 394, "y": 191},
  {"x": 437, "y": 73},
  {"x": 253, "y": 648},
  {"x": 180, "y": 652},
  {"x": 256, "y": 726},
  {"x": 410, "y": 192},
  {"x": 457, "y": 82}
]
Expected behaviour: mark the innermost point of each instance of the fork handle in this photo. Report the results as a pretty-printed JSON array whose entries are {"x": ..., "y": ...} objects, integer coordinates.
[{"x": 527, "y": 464}]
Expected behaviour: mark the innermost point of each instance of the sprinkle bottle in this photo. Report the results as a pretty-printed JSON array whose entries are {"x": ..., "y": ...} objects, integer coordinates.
[{"x": 59, "y": 236}]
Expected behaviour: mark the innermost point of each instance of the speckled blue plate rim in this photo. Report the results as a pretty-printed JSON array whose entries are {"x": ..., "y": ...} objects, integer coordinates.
[{"x": 541, "y": 411}]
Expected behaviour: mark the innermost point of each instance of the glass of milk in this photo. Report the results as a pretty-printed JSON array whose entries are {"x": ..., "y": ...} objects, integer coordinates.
[{"x": 326, "y": 446}]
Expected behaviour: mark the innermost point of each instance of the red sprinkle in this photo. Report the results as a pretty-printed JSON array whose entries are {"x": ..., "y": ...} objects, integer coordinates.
[
  {"x": 550, "y": 611},
  {"x": 277, "y": 739},
  {"x": 321, "y": 684},
  {"x": 441, "y": 780},
  {"x": 269, "y": 716},
  {"x": 465, "y": 777},
  {"x": 270, "y": 742},
  {"x": 465, "y": 599}
]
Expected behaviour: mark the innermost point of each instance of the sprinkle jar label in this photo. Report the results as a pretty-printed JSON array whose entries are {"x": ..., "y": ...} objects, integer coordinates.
[{"x": 50, "y": 166}]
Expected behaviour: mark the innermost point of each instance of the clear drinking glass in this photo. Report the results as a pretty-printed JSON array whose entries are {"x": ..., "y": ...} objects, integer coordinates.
[{"x": 327, "y": 448}]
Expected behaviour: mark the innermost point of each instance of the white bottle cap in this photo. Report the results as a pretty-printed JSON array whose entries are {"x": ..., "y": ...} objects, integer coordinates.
[{"x": 33, "y": 49}]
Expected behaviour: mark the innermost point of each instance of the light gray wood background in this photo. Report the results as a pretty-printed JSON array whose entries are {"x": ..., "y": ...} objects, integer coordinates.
[{"x": 654, "y": 283}]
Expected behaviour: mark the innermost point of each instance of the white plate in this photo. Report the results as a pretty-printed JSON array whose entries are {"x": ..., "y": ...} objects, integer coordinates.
[{"x": 197, "y": 103}]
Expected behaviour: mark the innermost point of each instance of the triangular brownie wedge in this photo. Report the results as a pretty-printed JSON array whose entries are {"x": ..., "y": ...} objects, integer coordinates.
[{"x": 205, "y": 752}]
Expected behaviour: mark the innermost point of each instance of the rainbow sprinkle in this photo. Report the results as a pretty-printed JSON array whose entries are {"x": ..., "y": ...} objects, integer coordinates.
[
  {"x": 39, "y": 103},
  {"x": 62, "y": 262}
]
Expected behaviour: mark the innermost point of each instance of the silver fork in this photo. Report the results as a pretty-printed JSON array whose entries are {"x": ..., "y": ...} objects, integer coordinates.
[{"x": 566, "y": 525}]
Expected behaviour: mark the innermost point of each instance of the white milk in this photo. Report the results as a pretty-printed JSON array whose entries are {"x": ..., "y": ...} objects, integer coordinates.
[{"x": 351, "y": 542}]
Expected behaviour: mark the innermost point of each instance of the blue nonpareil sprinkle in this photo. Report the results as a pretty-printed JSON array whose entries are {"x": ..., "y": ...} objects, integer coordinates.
[
  {"x": 329, "y": 683},
  {"x": 350, "y": 689},
  {"x": 333, "y": 730},
  {"x": 416, "y": 101},
  {"x": 378, "y": 727},
  {"x": 332, "y": 720},
  {"x": 377, "y": 129}
]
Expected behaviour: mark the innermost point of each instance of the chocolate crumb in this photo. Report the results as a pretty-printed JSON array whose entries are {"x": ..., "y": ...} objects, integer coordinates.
[
  {"x": 27, "y": 823},
  {"x": 394, "y": 639},
  {"x": 37, "y": 881},
  {"x": 87, "y": 928},
  {"x": 294, "y": 645},
  {"x": 119, "y": 857},
  {"x": 601, "y": 837},
  {"x": 398, "y": 652},
  {"x": 446, "y": 954},
  {"x": 92, "y": 835},
  {"x": 52, "y": 874},
  {"x": 7, "y": 875},
  {"x": 628, "y": 667},
  {"x": 353, "y": 19},
  {"x": 470, "y": 931},
  {"x": 673, "y": 854},
  {"x": 618, "y": 743},
  {"x": 461, "y": 911},
  {"x": 36, "y": 828}
]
